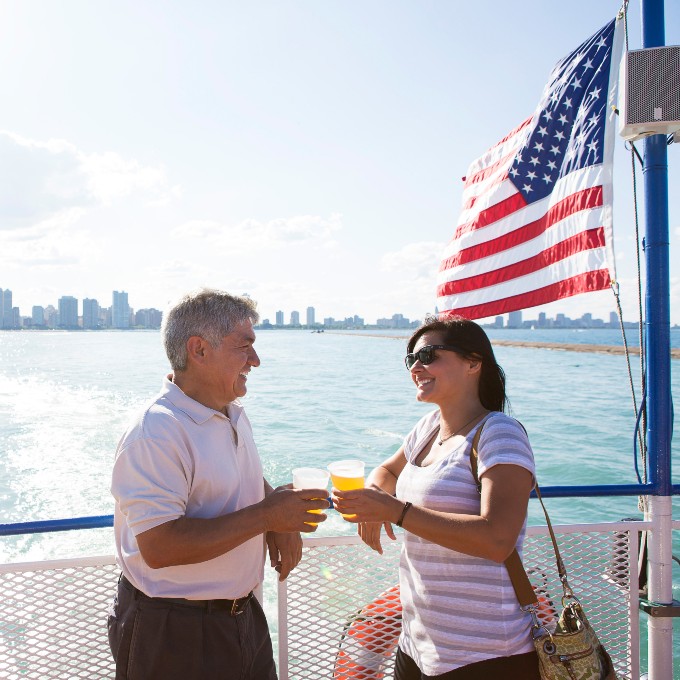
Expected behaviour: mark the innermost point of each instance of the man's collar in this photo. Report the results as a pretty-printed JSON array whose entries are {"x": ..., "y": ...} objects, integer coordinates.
[{"x": 194, "y": 409}]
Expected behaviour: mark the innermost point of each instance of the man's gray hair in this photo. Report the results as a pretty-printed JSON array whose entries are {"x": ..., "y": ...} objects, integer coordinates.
[{"x": 209, "y": 313}]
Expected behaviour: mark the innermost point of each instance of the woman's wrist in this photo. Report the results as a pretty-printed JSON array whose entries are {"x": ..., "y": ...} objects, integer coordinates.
[{"x": 402, "y": 515}]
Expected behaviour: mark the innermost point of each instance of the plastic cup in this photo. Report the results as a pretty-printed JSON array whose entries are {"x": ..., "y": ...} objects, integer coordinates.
[
  {"x": 347, "y": 475},
  {"x": 310, "y": 478}
]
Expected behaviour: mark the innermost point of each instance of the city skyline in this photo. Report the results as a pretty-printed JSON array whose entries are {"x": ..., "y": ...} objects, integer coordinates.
[
  {"x": 295, "y": 150},
  {"x": 122, "y": 315}
]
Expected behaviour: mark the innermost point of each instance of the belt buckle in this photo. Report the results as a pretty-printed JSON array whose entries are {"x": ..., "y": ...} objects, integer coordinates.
[{"x": 238, "y": 606}]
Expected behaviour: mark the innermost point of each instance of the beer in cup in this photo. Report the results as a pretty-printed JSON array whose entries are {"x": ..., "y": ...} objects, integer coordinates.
[
  {"x": 310, "y": 478},
  {"x": 347, "y": 475}
]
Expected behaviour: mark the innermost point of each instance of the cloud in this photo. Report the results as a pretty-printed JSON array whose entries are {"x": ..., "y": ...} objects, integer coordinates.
[
  {"x": 251, "y": 233},
  {"x": 418, "y": 260},
  {"x": 109, "y": 176},
  {"x": 40, "y": 179},
  {"x": 50, "y": 245}
]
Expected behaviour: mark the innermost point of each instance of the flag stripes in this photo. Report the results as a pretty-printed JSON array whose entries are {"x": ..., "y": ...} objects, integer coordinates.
[{"x": 536, "y": 207}]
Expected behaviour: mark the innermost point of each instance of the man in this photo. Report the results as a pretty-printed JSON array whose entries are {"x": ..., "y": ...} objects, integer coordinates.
[{"x": 192, "y": 507}]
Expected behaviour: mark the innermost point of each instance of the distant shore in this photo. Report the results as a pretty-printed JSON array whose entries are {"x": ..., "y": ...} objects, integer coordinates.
[{"x": 563, "y": 346}]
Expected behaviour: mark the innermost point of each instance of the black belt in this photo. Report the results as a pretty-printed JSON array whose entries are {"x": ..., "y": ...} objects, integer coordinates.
[{"x": 234, "y": 607}]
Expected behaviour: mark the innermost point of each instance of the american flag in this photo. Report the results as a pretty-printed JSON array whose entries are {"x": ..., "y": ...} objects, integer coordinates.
[{"x": 536, "y": 221}]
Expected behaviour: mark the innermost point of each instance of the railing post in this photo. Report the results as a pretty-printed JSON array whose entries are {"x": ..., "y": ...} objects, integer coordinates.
[
  {"x": 657, "y": 312},
  {"x": 634, "y": 542},
  {"x": 282, "y": 614}
]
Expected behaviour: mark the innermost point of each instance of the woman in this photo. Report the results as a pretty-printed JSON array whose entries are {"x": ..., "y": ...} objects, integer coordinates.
[{"x": 461, "y": 618}]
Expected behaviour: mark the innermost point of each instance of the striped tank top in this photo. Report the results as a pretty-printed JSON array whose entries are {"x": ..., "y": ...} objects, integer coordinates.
[{"x": 458, "y": 609}]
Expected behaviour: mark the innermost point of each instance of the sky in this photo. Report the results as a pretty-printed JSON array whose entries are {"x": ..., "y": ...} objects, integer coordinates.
[{"x": 305, "y": 152}]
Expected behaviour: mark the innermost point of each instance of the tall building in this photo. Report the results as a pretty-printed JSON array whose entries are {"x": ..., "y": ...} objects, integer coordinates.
[
  {"x": 51, "y": 316},
  {"x": 120, "y": 311},
  {"x": 6, "y": 308},
  {"x": 515, "y": 319},
  {"x": 397, "y": 321},
  {"x": 279, "y": 318},
  {"x": 38, "y": 316},
  {"x": 295, "y": 318},
  {"x": 68, "y": 312},
  {"x": 148, "y": 318},
  {"x": 310, "y": 316},
  {"x": 90, "y": 313}
]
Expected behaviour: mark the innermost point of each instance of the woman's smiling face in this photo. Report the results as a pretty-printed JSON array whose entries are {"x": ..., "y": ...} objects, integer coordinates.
[{"x": 439, "y": 380}]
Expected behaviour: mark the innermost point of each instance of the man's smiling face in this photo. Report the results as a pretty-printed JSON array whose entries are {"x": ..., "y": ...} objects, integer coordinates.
[{"x": 229, "y": 364}]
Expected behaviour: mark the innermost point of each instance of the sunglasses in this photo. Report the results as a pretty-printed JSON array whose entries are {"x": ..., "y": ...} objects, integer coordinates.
[{"x": 426, "y": 354}]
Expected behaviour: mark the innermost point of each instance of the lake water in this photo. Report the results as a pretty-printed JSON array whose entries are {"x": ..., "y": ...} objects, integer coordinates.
[{"x": 66, "y": 397}]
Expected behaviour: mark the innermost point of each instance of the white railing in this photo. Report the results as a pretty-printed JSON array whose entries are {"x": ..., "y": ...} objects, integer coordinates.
[{"x": 53, "y": 614}]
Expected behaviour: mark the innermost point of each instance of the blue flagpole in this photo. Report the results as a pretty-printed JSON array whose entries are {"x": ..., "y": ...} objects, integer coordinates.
[{"x": 657, "y": 332}]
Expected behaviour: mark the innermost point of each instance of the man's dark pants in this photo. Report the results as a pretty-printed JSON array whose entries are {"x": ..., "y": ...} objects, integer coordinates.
[{"x": 152, "y": 639}]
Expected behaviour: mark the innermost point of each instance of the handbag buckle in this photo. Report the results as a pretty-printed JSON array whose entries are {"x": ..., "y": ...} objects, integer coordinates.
[{"x": 538, "y": 630}]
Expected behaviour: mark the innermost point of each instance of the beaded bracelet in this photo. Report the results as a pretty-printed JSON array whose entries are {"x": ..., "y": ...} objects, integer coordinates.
[{"x": 407, "y": 505}]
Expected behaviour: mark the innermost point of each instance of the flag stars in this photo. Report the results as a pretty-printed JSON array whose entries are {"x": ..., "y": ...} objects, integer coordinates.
[{"x": 567, "y": 132}]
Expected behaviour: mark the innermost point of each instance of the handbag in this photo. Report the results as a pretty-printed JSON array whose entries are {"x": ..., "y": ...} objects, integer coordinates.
[{"x": 570, "y": 650}]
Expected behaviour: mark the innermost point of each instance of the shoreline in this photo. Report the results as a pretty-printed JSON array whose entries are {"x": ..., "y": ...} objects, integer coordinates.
[{"x": 560, "y": 346}]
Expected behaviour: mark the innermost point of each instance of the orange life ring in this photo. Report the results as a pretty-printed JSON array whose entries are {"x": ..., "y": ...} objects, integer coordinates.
[
  {"x": 547, "y": 614},
  {"x": 371, "y": 634},
  {"x": 369, "y": 639}
]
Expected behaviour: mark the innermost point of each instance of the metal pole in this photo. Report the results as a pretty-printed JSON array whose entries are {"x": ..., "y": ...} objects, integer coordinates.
[{"x": 657, "y": 303}]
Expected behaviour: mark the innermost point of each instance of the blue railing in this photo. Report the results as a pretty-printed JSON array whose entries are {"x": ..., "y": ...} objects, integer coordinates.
[{"x": 106, "y": 521}]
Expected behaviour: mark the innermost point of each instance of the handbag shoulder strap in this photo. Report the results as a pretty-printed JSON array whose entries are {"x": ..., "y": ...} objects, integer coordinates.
[{"x": 518, "y": 576}]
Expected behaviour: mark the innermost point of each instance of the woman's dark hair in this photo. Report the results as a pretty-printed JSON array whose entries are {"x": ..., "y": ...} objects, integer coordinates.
[{"x": 474, "y": 344}]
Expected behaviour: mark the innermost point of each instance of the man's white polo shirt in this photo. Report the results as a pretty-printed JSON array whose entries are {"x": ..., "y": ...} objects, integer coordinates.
[{"x": 180, "y": 458}]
